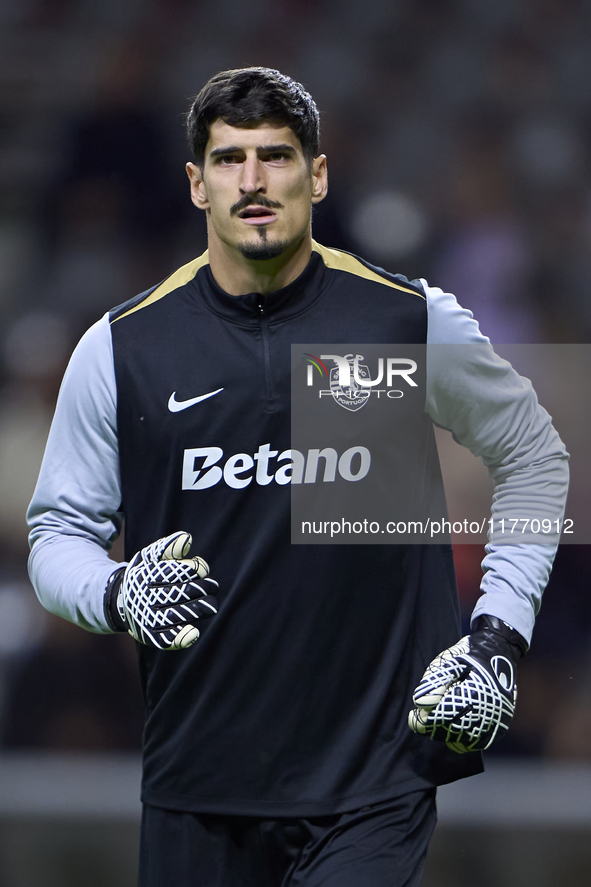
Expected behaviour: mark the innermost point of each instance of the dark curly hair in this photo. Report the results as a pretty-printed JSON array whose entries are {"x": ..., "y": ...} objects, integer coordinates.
[{"x": 248, "y": 97}]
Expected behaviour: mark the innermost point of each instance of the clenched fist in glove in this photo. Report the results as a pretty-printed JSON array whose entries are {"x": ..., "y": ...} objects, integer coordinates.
[
  {"x": 468, "y": 693},
  {"x": 162, "y": 594}
]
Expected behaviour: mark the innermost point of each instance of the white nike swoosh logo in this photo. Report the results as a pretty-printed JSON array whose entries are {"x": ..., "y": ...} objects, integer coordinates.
[{"x": 175, "y": 406}]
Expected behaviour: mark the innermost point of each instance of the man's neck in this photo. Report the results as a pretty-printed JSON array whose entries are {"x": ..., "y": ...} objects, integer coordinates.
[{"x": 237, "y": 275}]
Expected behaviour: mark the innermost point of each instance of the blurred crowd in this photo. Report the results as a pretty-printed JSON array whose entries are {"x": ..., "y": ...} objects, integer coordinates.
[{"x": 458, "y": 134}]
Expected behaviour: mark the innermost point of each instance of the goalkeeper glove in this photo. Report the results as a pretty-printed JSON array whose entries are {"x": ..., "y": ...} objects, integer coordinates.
[
  {"x": 161, "y": 595},
  {"x": 468, "y": 693}
]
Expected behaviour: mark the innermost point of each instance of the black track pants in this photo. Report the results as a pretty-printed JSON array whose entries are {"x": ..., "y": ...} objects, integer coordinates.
[{"x": 382, "y": 845}]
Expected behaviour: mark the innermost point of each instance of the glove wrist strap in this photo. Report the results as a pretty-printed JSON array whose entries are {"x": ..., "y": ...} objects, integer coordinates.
[
  {"x": 492, "y": 625},
  {"x": 113, "y": 616}
]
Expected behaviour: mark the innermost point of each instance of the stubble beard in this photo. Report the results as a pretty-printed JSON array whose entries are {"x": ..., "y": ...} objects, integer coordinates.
[{"x": 263, "y": 250}]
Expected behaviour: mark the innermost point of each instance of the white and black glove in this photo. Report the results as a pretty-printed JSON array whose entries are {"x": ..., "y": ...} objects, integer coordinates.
[
  {"x": 161, "y": 595},
  {"x": 468, "y": 693}
]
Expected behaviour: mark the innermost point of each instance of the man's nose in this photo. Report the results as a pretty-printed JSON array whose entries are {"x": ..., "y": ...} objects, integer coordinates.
[{"x": 253, "y": 178}]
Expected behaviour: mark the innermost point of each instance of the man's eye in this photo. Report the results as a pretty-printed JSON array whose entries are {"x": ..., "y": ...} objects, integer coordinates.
[{"x": 228, "y": 160}]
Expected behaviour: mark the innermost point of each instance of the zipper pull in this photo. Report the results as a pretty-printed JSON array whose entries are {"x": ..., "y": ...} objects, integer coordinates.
[{"x": 261, "y": 304}]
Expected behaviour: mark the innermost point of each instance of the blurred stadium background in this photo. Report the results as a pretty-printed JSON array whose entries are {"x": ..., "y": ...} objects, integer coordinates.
[{"x": 459, "y": 141}]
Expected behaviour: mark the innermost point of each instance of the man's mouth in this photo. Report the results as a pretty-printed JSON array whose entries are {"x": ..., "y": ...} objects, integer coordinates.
[
  {"x": 260, "y": 211},
  {"x": 257, "y": 215}
]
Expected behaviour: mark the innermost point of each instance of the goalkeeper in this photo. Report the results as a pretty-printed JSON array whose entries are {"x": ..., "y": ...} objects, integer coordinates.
[{"x": 277, "y": 748}]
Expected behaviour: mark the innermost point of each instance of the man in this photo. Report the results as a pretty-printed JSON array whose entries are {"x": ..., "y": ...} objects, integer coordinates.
[{"x": 276, "y": 748}]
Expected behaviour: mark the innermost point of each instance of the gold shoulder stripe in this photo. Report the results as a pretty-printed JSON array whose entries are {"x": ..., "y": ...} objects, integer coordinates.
[
  {"x": 177, "y": 279},
  {"x": 334, "y": 258}
]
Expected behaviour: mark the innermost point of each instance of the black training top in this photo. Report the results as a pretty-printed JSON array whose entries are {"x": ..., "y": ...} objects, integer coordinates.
[{"x": 294, "y": 700}]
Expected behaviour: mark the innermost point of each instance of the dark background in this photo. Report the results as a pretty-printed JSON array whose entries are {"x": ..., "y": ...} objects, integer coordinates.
[{"x": 458, "y": 134}]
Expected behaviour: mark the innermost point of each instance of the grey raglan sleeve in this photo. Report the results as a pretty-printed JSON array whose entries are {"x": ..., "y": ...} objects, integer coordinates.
[
  {"x": 495, "y": 413},
  {"x": 74, "y": 514}
]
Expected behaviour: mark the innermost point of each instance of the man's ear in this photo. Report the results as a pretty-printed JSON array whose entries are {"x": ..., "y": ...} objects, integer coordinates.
[
  {"x": 198, "y": 190},
  {"x": 319, "y": 178}
]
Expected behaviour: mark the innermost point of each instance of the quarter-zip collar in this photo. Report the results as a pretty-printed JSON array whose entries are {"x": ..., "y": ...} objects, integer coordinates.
[{"x": 281, "y": 305}]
